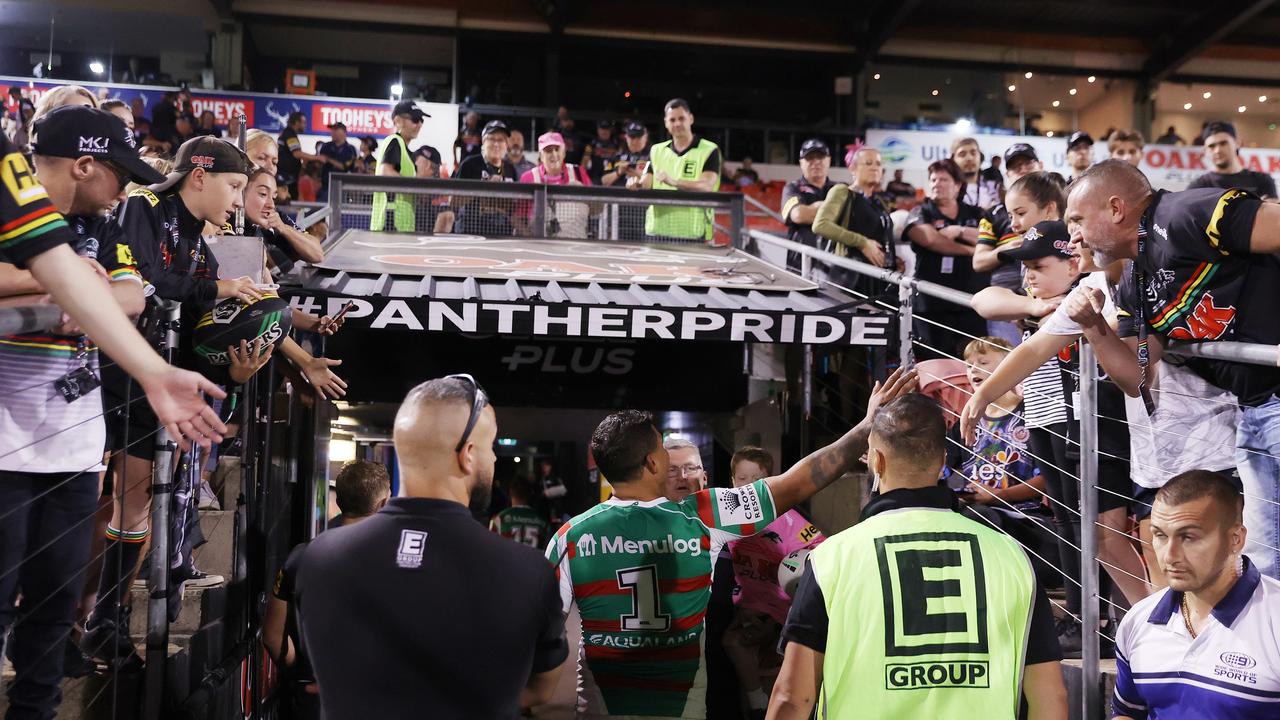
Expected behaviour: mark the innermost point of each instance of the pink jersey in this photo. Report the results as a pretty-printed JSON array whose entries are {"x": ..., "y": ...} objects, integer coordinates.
[{"x": 756, "y": 558}]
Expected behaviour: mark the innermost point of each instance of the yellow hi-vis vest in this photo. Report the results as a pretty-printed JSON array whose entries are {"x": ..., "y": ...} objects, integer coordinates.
[
  {"x": 928, "y": 616},
  {"x": 401, "y": 205},
  {"x": 671, "y": 220}
]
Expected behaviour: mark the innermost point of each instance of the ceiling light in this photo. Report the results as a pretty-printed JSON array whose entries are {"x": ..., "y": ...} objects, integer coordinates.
[
  {"x": 876, "y": 76},
  {"x": 1207, "y": 95},
  {"x": 1186, "y": 106},
  {"x": 1242, "y": 108},
  {"x": 935, "y": 93},
  {"x": 1056, "y": 103},
  {"x": 963, "y": 124},
  {"x": 1072, "y": 91},
  {"x": 1091, "y": 78},
  {"x": 1262, "y": 98},
  {"x": 397, "y": 89},
  {"x": 96, "y": 68},
  {"x": 1049, "y": 134},
  {"x": 1028, "y": 75},
  {"x": 1012, "y": 88}
]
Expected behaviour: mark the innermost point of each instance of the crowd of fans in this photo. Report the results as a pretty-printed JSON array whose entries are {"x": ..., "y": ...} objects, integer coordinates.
[{"x": 1189, "y": 451}]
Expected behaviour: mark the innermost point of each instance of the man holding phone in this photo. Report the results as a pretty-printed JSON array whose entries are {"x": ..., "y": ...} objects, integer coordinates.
[{"x": 626, "y": 170}]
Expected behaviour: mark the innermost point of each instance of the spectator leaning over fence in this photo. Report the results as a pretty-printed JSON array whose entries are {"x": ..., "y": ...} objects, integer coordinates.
[
  {"x": 397, "y": 161},
  {"x": 854, "y": 221},
  {"x": 1222, "y": 151},
  {"x": 1126, "y": 145},
  {"x": 1206, "y": 266},
  {"x": 978, "y": 189},
  {"x": 996, "y": 232},
  {"x": 51, "y": 430},
  {"x": 802, "y": 198},
  {"x": 943, "y": 231},
  {"x": 466, "y": 624},
  {"x": 339, "y": 156},
  {"x": 863, "y": 635},
  {"x": 362, "y": 488},
  {"x": 685, "y": 162},
  {"x": 1079, "y": 153},
  {"x": 1208, "y": 645},
  {"x": 292, "y": 156}
]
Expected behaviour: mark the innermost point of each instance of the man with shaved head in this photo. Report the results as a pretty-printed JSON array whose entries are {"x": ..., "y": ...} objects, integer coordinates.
[
  {"x": 1204, "y": 269},
  {"x": 439, "y": 616}
]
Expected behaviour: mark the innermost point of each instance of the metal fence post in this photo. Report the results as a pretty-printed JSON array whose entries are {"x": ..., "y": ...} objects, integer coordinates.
[
  {"x": 157, "y": 649},
  {"x": 906, "y": 298},
  {"x": 539, "y": 228},
  {"x": 738, "y": 222},
  {"x": 1091, "y": 693}
]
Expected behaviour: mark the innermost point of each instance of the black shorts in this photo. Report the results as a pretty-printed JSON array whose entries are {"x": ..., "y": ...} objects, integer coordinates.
[
  {"x": 1114, "y": 483},
  {"x": 129, "y": 416}
]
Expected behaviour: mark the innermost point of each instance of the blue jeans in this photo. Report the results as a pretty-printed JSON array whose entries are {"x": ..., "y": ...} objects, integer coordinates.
[{"x": 1259, "y": 432}]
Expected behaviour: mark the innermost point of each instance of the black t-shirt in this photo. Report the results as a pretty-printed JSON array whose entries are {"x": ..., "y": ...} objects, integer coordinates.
[
  {"x": 994, "y": 231},
  {"x": 1203, "y": 283},
  {"x": 437, "y": 615},
  {"x": 953, "y": 271},
  {"x": 802, "y": 192},
  {"x": 289, "y": 166},
  {"x": 807, "y": 622},
  {"x": 391, "y": 154},
  {"x": 345, "y": 153},
  {"x": 29, "y": 223},
  {"x": 286, "y": 581},
  {"x": 468, "y": 143},
  {"x": 475, "y": 168},
  {"x": 1260, "y": 184}
]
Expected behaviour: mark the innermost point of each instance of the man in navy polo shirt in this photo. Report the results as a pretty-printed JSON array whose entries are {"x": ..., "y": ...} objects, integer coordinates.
[{"x": 1208, "y": 646}]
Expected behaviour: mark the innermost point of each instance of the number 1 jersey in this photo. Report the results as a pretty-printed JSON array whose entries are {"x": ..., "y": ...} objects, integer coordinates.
[{"x": 640, "y": 573}]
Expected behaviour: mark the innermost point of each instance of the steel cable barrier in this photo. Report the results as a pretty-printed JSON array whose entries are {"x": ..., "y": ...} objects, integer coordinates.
[{"x": 1114, "y": 548}]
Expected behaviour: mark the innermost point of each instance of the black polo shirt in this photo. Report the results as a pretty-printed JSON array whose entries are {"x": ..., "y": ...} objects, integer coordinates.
[
  {"x": 439, "y": 617},
  {"x": 289, "y": 167},
  {"x": 476, "y": 168},
  {"x": 1260, "y": 184},
  {"x": 802, "y": 192},
  {"x": 1203, "y": 283},
  {"x": 953, "y": 271}
]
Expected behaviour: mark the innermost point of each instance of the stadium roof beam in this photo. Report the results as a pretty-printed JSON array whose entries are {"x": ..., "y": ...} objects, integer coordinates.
[
  {"x": 1198, "y": 33},
  {"x": 880, "y": 25}
]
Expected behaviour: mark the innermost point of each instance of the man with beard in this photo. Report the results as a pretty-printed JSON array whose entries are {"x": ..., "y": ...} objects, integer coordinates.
[
  {"x": 1222, "y": 150},
  {"x": 981, "y": 191},
  {"x": 461, "y": 622}
]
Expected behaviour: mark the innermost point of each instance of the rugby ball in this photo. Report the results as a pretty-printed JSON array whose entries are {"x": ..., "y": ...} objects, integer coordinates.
[
  {"x": 233, "y": 320},
  {"x": 790, "y": 570}
]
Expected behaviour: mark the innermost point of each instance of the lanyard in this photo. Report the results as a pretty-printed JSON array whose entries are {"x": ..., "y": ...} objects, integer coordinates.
[{"x": 1139, "y": 290}]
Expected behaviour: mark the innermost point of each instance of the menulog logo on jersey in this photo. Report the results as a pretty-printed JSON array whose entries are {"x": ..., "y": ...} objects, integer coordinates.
[{"x": 589, "y": 546}]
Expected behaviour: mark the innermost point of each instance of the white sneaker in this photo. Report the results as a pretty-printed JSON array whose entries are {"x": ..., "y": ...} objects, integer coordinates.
[{"x": 208, "y": 501}]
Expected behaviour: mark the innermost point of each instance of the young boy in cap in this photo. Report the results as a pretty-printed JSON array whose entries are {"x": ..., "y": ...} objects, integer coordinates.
[{"x": 51, "y": 428}]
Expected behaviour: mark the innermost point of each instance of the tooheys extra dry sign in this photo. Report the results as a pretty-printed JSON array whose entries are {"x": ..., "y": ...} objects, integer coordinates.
[{"x": 600, "y": 322}]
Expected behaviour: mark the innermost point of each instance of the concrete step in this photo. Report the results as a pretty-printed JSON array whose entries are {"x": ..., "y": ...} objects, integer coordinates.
[
  {"x": 200, "y": 606},
  {"x": 227, "y": 481},
  {"x": 215, "y": 557}
]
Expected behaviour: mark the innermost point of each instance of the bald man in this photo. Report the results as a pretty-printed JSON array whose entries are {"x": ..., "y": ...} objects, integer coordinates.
[
  {"x": 1205, "y": 261},
  {"x": 436, "y": 614}
]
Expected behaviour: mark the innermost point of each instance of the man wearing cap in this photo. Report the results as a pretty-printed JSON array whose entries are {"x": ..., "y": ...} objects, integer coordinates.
[
  {"x": 52, "y": 433},
  {"x": 687, "y": 163},
  {"x": 600, "y": 150},
  {"x": 339, "y": 155},
  {"x": 995, "y": 233},
  {"x": 1079, "y": 153},
  {"x": 492, "y": 164},
  {"x": 292, "y": 155},
  {"x": 802, "y": 197},
  {"x": 1222, "y": 151},
  {"x": 625, "y": 169},
  {"x": 397, "y": 161},
  {"x": 488, "y": 216}
]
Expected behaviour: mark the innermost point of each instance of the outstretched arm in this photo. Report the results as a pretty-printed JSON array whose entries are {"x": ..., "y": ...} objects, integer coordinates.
[{"x": 825, "y": 466}]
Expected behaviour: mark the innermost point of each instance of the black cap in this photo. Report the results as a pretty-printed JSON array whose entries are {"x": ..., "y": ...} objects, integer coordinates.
[
  {"x": 495, "y": 126},
  {"x": 75, "y": 131},
  {"x": 1047, "y": 239},
  {"x": 814, "y": 145},
  {"x": 1220, "y": 126},
  {"x": 410, "y": 108},
  {"x": 1078, "y": 137},
  {"x": 636, "y": 129},
  {"x": 1019, "y": 150},
  {"x": 602, "y": 123},
  {"x": 213, "y": 154},
  {"x": 337, "y": 126}
]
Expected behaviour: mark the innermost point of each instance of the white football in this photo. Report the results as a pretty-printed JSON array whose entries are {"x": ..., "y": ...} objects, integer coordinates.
[{"x": 790, "y": 570}]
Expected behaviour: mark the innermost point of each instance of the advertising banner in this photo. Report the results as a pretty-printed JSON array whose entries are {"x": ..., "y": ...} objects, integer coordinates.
[
  {"x": 268, "y": 112},
  {"x": 1166, "y": 166}
]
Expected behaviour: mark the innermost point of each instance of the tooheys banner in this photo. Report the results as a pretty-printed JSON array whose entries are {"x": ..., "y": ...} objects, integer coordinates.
[
  {"x": 266, "y": 111},
  {"x": 1167, "y": 166},
  {"x": 599, "y": 321}
]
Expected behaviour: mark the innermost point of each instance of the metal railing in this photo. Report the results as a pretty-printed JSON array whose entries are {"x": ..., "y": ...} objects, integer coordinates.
[
  {"x": 1090, "y": 614},
  {"x": 504, "y": 209}
]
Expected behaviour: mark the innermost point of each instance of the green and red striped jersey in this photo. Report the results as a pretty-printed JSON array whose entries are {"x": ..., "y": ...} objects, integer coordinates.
[
  {"x": 522, "y": 524},
  {"x": 640, "y": 573}
]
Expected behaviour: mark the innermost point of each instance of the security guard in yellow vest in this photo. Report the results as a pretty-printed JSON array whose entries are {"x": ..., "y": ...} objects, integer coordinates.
[
  {"x": 398, "y": 162},
  {"x": 918, "y": 611},
  {"x": 685, "y": 162}
]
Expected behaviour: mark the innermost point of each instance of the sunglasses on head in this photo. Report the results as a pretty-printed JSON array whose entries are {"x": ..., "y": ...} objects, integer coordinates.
[{"x": 478, "y": 400}]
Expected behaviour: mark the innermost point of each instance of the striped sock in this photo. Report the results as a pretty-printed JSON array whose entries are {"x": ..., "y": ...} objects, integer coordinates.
[{"x": 121, "y": 556}]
